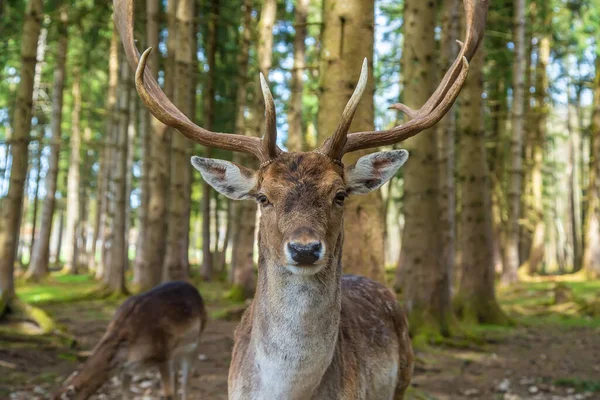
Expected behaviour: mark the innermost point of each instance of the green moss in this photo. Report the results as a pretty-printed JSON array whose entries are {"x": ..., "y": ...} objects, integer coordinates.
[
  {"x": 236, "y": 294},
  {"x": 473, "y": 311}
]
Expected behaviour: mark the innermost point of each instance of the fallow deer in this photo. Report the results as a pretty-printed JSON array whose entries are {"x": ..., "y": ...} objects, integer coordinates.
[
  {"x": 310, "y": 332},
  {"x": 157, "y": 329}
]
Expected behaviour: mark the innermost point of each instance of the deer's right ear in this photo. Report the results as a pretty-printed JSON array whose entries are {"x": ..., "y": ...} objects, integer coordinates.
[{"x": 227, "y": 178}]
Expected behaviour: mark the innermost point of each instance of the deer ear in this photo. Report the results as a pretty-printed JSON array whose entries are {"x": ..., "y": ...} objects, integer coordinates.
[
  {"x": 227, "y": 178},
  {"x": 373, "y": 170}
]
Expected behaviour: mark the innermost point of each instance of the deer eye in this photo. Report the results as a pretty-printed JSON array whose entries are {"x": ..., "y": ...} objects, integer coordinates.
[
  {"x": 262, "y": 200},
  {"x": 340, "y": 197}
]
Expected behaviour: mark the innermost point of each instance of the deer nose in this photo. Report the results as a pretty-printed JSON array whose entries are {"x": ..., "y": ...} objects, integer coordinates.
[{"x": 305, "y": 253}]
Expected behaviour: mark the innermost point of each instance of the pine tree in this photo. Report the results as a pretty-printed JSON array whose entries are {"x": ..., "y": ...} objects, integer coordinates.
[
  {"x": 38, "y": 267},
  {"x": 13, "y": 203}
]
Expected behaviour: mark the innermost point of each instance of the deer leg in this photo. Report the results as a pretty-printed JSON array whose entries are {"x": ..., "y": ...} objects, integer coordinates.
[
  {"x": 126, "y": 385},
  {"x": 187, "y": 364},
  {"x": 166, "y": 377},
  {"x": 175, "y": 377}
]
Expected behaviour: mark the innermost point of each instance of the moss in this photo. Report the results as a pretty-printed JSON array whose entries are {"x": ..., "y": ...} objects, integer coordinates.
[
  {"x": 425, "y": 329},
  {"x": 473, "y": 310},
  {"x": 236, "y": 294}
]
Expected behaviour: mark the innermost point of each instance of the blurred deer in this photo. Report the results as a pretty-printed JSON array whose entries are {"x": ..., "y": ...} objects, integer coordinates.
[
  {"x": 310, "y": 332},
  {"x": 159, "y": 328}
]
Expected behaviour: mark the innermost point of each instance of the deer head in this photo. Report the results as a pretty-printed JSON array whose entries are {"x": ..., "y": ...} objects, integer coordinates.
[{"x": 301, "y": 195}]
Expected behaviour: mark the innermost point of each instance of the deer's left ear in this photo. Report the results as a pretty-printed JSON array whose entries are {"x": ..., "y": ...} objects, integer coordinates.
[
  {"x": 227, "y": 178},
  {"x": 373, "y": 170}
]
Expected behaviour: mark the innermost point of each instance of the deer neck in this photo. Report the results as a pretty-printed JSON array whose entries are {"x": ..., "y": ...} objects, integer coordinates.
[{"x": 295, "y": 325}]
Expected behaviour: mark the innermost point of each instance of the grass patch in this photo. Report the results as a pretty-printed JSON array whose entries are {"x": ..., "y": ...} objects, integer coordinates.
[
  {"x": 580, "y": 385},
  {"x": 531, "y": 303},
  {"x": 58, "y": 288}
]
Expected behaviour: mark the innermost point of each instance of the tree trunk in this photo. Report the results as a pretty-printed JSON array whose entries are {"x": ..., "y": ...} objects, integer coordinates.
[
  {"x": 243, "y": 213},
  {"x": 475, "y": 301},
  {"x": 511, "y": 246},
  {"x": 173, "y": 269},
  {"x": 114, "y": 278},
  {"x": 140, "y": 265},
  {"x": 347, "y": 39},
  {"x": 73, "y": 183},
  {"x": 59, "y": 236},
  {"x": 295, "y": 137},
  {"x": 38, "y": 168},
  {"x": 426, "y": 281},
  {"x": 445, "y": 132},
  {"x": 38, "y": 267},
  {"x": 209, "y": 112},
  {"x": 497, "y": 163},
  {"x": 152, "y": 252},
  {"x": 132, "y": 109},
  {"x": 98, "y": 218},
  {"x": 84, "y": 202},
  {"x": 109, "y": 154},
  {"x": 13, "y": 202},
  {"x": 591, "y": 253},
  {"x": 536, "y": 254},
  {"x": 574, "y": 191}
]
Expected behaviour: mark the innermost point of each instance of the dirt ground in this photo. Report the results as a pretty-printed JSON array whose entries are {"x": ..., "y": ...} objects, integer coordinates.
[{"x": 527, "y": 363}]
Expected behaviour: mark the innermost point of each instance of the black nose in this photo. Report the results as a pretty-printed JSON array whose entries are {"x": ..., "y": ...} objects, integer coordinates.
[{"x": 305, "y": 253}]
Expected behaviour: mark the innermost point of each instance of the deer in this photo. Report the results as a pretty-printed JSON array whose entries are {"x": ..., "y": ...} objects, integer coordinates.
[
  {"x": 160, "y": 328},
  {"x": 311, "y": 332}
]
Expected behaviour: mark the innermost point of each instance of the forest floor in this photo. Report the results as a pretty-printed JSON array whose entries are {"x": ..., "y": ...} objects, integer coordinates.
[{"x": 553, "y": 352}]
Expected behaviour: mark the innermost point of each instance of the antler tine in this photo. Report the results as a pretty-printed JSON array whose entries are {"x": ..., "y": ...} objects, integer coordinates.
[
  {"x": 159, "y": 104},
  {"x": 334, "y": 146},
  {"x": 444, "y": 96},
  {"x": 269, "y": 140}
]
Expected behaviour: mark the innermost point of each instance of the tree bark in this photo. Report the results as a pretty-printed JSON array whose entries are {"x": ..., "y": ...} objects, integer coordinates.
[
  {"x": 574, "y": 185},
  {"x": 152, "y": 253},
  {"x": 475, "y": 301},
  {"x": 38, "y": 167},
  {"x": 536, "y": 254},
  {"x": 173, "y": 268},
  {"x": 140, "y": 264},
  {"x": 445, "y": 136},
  {"x": 73, "y": 182},
  {"x": 591, "y": 253},
  {"x": 60, "y": 235},
  {"x": 347, "y": 38},
  {"x": 511, "y": 246},
  {"x": 426, "y": 281},
  {"x": 114, "y": 278},
  {"x": 295, "y": 139},
  {"x": 109, "y": 150},
  {"x": 209, "y": 112},
  {"x": 13, "y": 202},
  {"x": 38, "y": 267},
  {"x": 244, "y": 212}
]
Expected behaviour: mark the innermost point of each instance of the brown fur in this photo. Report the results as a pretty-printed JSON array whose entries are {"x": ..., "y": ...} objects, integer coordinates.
[
  {"x": 320, "y": 336},
  {"x": 148, "y": 330}
]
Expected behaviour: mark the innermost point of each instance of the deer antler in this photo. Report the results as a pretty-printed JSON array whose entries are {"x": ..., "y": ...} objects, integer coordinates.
[
  {"x": 164, "y": 110},
  {"x": 430, "y": 113}
]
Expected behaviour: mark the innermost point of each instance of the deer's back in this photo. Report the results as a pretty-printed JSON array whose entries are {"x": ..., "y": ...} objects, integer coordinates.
[{"x": 160, "y": 322}]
